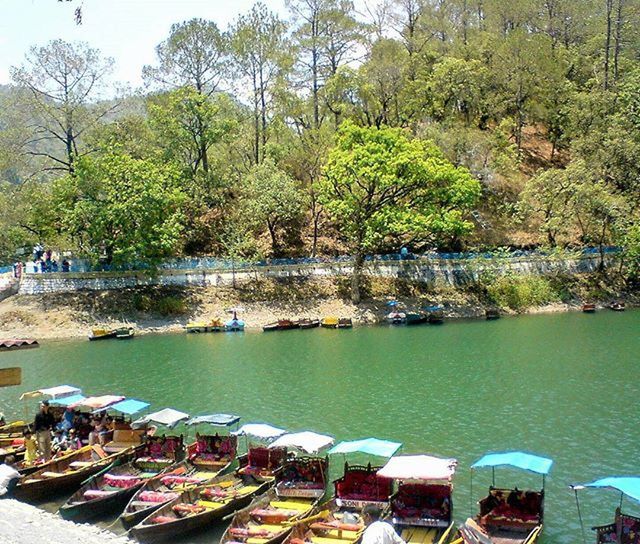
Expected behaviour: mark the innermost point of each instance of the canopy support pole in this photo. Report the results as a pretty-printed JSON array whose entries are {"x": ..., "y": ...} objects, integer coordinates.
[
  {"x": 471, "y": 496},
  {"x": 621, "y": 497},
  {"x": 584, "y": 540},
  {"x": 493, "y": 476}
]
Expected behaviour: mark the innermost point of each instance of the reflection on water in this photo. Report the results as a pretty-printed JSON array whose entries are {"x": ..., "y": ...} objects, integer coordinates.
[{"x": 563, "y": 385}]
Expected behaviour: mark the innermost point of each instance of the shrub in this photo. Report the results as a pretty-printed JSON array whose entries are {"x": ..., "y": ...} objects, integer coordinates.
[
  {"x": 169, "y": 305},
  {"x": 520, "y": 292}
]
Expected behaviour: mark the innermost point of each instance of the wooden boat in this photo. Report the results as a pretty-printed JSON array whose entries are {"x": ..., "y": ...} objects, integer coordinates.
[
  {"x": 436, "y": 317},
  {"x": 109, "y": 490},
  {"x": 588, "y": 308},
  {"x": 11, "y": 448},
  {"x": 345, "y": 323},
  {"x": 416, "y": 318},
  {"x": 396, "y": 318},
  {"x": 336, "y": 323},
  {"x": 508, "y": 516},
  {"x": 17, "y": 343},
  {"x": 617, "y": 306},
  {"x": 267, "y": 519},
  {"x": 197, "y": 508},
  {"x": 625, "y": 528},
  {"x": 360, "y": 485},
  {"x": 299, "y": 488},
  {"x": 329, "y": 526},
  {"x": 15, "y": 429},
  {"x": 308, "y": 323},
  {"x": 197, "y": 469},
  {"x": 330, "y": 322},
  {"x": 64, "y": 474},
  {"x": 492, "y": 313},
  {"x": 125, "y": 333},
  {"x": 421, "y": 512},
  {"x": 281, "y": 325},
  {"x": 102, "y": 334},
  {"x": 215, "y": 325},
  {"x": 262, "y": 462}
]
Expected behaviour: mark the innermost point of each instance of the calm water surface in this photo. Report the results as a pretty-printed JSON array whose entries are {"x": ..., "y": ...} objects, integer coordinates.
[{"x": 565, "y": 386}]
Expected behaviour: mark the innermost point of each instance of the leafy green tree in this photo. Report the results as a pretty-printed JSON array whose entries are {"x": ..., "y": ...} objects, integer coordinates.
[
  {"x": 196, "y": 54},
  {"x": 272, "y": 199},
  {"x": 379, "y": 183},
  {"x": 551, "y": 197},
  {"x": 122, "y": 210}
]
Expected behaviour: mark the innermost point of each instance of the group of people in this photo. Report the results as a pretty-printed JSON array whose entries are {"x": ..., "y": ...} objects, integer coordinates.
[
  {"x": 42, "y": 261},
  {"x": 50, "y": 435}
]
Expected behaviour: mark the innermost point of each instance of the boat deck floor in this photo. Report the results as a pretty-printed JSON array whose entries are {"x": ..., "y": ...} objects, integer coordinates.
[{"x": 508, "y": 537}]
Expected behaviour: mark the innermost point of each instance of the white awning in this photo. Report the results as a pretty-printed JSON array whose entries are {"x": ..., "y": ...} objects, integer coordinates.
[
  {"x": 261, "y": 431},
  {"x": 307, "y": 441},
  {"x": 418, "y": 467},
  {"x": 57, "y": 392},
  {"x": 167, "y": 417}
]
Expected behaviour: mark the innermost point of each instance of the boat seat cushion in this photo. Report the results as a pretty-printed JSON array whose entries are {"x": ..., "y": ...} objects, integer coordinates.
[
  {"x": 157, "y": 496},
  {"x": 91, "y": 494},
  {"x": 211, "y": 505}
]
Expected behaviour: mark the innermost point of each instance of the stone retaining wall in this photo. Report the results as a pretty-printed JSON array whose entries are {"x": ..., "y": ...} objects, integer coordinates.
[{"x": 454, "y": 273}]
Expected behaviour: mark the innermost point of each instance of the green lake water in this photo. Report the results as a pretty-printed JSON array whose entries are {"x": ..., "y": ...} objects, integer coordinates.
[{"x": 565, "y": 386}]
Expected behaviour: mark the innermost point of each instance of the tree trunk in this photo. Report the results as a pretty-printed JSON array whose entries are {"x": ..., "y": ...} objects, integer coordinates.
[
  {"x": 618, "y": 40},
  {"x": 275, "y": 248},
  {"x": 356, "y": 277},
  {"x": 607, "y": 47}
]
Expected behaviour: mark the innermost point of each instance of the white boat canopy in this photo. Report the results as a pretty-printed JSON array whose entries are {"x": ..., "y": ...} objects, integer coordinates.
[
  {"x": 261, "y": 431},
  {"x": 167, "y": 417},
  {"x": 57, "y": 392},
  {"x": 419, "y": 467},
  {"x": 98, "y": 403},
  {"x": 372, "y": 446},
  {"x": 306, "y": 441}
]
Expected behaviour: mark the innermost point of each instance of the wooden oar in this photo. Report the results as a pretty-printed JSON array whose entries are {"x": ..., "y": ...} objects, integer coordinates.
[{"x": 322, "y": 514}]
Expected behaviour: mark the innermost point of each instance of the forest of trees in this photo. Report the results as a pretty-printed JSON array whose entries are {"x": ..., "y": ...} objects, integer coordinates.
[{"x": 442, "y": 124}]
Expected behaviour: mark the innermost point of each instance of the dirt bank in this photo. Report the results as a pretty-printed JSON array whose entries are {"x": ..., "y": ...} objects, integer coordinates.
[
  {"x": 152, "y": 310},
  {"x": 22, "y": 523}
]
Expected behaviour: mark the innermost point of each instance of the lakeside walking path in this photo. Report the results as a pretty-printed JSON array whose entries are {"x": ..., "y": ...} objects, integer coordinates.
[{"x": 21, "y": 523}]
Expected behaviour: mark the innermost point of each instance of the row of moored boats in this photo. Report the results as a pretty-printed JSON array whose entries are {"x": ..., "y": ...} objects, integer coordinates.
[{"x": 164, "y": 486}]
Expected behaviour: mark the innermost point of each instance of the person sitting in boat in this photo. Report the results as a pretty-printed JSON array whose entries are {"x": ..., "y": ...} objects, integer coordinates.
[
  {"x": 73, "y": 442},
  {"x": 67, "y": 420},
  {"x": 378, "y": 531},
  {"x": 31, "y": 448},
  {"x": 59, "y": 443},
  {"x": 99, "y": 433},
  {"x": 3, "y": 422},
  {"x": 202, "y": 444}
]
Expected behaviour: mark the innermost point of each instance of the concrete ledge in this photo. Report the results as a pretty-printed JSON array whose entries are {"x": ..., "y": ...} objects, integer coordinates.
[{"x": 451, "y": 272}]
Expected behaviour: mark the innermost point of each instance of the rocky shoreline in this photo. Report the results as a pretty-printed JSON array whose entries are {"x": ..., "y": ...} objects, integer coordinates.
[
  {"x": 22, "y": 523},
  {"x": 168, "y": 310}
]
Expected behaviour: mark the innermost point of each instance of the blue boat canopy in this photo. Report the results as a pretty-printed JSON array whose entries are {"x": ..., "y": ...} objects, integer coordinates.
[
  {"x": 219, "y": 420},
  {"x": 628, "y": 485},
  {"x": 372, "y": 446},
  {"x": 518, "y": 459},
  {"x": 68, "y": 401},
  {"x": 129, "y": 406}
]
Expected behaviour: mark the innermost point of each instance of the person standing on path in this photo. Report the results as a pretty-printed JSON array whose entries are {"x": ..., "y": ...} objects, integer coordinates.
[
  {"x": 43, "y": 426},
  {"x": 377, "y": 531}
]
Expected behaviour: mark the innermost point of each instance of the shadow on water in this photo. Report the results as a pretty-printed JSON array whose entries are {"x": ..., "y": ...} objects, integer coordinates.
[{"x": 563, "y": 385}]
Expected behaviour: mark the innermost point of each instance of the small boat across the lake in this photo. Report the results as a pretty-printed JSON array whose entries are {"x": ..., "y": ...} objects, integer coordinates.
[
  {"x": 7, "y": 344},
  {"x": 589, "y": 308},
  {"x": 281, "y": 325},
  {"x": 617, "y": 306},
  {"x": 308, "y": 323}
]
